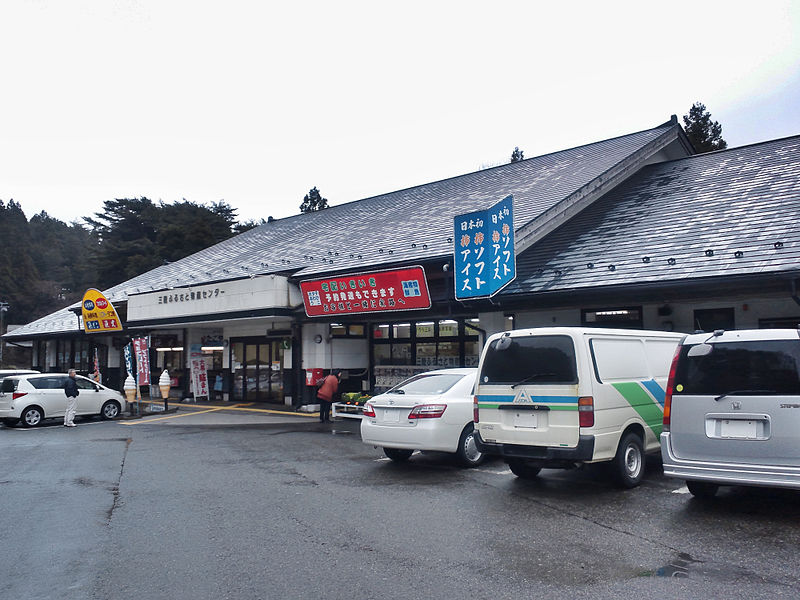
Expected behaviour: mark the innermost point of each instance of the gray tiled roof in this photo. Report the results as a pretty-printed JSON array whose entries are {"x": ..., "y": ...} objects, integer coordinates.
[
  {"x": 741, "y": 200},
  {"x": 399, "y": 227}
]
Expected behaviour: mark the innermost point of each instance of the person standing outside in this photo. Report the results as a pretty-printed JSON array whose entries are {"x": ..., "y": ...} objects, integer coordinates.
[
  {"x": 71, "y": 390},
  {"x": 325, "y": 394}
]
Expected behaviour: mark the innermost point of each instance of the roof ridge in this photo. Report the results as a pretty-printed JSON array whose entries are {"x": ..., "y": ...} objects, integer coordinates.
[{"x": 723, "y": 150}]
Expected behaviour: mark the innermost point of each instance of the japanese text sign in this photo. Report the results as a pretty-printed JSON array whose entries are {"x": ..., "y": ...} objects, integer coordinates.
[
  {"x": 377, "y": 291},
  {"x": 484, "y": 256},
  {"x": 98, "y": 313},
  {"x": 140, "y": 350}
]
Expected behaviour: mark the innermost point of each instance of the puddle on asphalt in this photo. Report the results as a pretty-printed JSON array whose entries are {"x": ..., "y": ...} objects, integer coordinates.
[{"x": 677, "y": 567}]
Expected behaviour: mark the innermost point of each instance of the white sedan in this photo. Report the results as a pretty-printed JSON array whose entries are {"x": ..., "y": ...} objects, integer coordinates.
[{"x": 430, "y": 411}]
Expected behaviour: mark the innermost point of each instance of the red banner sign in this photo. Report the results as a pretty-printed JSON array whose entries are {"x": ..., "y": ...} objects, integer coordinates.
[
  {"x": 377, "y": 291},
  {"x": 140, "y": 350}
]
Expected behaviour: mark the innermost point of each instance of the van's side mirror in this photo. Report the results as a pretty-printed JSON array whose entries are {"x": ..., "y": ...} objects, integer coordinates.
[
  {"x": 503, "y": 343},
  {"x": 700, "y": 350}
]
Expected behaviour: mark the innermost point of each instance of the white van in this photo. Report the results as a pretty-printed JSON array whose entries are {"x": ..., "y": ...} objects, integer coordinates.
[{"x": 557, "y": 397}]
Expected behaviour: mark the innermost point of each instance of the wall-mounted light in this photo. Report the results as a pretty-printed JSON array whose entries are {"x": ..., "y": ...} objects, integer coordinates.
[{"x": 318, "y": 339}]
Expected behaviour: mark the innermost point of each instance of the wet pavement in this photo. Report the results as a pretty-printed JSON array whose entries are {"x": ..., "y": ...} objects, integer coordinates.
[{"x": 231, "y": 502}]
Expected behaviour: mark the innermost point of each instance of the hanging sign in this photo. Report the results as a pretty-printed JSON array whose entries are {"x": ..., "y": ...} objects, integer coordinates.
[
  {"x": 483, "y": 251},
  {"x": 98, "y": 313},
  {"x": 371, "y": 292},
  {"x": 199, "y": 372},
  {"x": 141, "y": 351}
]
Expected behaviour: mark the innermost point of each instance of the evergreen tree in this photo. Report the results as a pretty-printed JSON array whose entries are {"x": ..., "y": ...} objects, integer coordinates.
[
  {"x": 517, "y": 155},
  {"x": 705, "y": 134},
  {"x": 313, "y": 201}
]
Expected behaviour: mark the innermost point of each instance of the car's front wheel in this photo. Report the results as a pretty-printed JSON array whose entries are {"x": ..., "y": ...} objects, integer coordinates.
[
  {"x": 31, "y": 416},
  {"x": 468, "y": 454},
  {"x": 110, "y": 410},
  {"x": 398, "y": 454}
]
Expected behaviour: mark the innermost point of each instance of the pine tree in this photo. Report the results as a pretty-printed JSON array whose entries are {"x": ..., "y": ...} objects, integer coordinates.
[
  {"x": 705, "y": 134},
  {"x": 313, "y": 201},
  {"x": 517, "y": 155}
]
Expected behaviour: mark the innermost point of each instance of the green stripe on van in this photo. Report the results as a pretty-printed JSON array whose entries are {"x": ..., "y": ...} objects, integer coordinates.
[{"x": 643, "y": 404}]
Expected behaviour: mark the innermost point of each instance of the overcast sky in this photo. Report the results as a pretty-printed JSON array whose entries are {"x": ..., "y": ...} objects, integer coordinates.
[{"x": 255, "y": 102}]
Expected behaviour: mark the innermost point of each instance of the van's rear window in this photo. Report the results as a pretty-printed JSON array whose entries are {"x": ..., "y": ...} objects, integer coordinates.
[
  {"x": 758, "y": 367},
  {"x": 541, "y": 359}
]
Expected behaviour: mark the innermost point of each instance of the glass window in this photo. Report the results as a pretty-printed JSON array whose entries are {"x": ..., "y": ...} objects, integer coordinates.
[
  {"x": 447, "y": 354},
  {"x": 426, "y": 354},
  {"x": 448, "y": 328},
  {"x": 627, "y": 318},
  {"x": 427, "y": 384},
  {"x": 401, "y": 354},
  {"x": 338, "y": 330},
  {"x": 84, "y": 384},
  {"x": 530, "y": 359},
  {"x": 48, "y": 383},
  {"x": 380, "y": 332},
  {"x": 383, "y": 354},
  {"x": 425, "y": 329},
  {"x": 762, "y": 367},
  {"x": 472, "y": 354},
  {"x": 470, "y": 326},
  {"x": 356, "y": 330},
  {"x": 401, "y": 330},
  {"x": 714, "y": 318}
]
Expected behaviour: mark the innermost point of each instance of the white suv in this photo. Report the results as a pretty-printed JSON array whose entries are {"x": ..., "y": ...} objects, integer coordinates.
[{"x": 28, "y": 399}]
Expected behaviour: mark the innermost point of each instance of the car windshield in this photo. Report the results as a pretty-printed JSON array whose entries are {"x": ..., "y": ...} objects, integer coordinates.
[
  {"x": 757, "y": 368},
  {"x": 540, "y": 359},
  {"x": 427, "y": 383}
]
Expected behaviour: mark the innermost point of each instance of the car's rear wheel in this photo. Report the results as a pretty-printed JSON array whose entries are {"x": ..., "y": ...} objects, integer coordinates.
[
  {"x": 702, "y": 489},
  {"x": 468, "y": 454},
  {"x": 523, "y": 469},
  {"x": 31, "y": 416},
  {"x": 10, "y": 422},
  {"x": 110, "y": 410},
  {"x": 398, "y": 454},
  {"x": 628, "y": 463}
]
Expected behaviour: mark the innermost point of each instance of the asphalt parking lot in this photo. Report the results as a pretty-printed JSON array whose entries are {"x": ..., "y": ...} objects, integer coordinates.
[{"x": 214, "y": 502}]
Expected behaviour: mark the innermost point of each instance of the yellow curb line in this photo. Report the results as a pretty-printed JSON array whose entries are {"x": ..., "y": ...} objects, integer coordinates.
[
  {"x": 236, "y": 407},
  {"x": 170, "y": 417}
]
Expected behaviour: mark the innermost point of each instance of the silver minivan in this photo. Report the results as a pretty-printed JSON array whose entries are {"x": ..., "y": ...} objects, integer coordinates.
[{"x": 732, "y": 410}]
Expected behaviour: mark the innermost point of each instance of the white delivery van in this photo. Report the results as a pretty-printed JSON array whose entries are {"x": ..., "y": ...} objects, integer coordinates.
[{"x": 557, "y": 397}]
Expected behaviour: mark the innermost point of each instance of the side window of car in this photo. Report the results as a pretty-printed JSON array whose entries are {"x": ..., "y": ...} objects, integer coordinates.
[
  {"x": 45, "y": 383},
  {"x": 84, "y": 384}
]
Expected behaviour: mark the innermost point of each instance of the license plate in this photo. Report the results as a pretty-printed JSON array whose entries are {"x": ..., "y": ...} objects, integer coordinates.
[
  {"x": 738, "y": 428},
  {"x": 526, "y": 419},
  {"x": 391, "y": 416}
]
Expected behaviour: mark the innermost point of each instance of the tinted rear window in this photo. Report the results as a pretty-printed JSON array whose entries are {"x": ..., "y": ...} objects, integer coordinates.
[
  {"x": 47, "y": 383},
  {"x": 763, "y": 367},
  {"x": 545, "y": 359},
  {"x": 427, "y": 384}
]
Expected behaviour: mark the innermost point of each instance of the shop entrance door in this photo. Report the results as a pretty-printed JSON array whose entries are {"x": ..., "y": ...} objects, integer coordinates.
[{"x": 257, "y": 370}]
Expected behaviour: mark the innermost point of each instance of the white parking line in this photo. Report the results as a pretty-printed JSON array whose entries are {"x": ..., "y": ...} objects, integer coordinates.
[
  {"x": 494, "y": 472},
  {"x": 681, "y": 490}
]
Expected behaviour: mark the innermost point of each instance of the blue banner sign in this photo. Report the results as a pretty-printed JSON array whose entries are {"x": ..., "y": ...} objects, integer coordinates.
[{"x": 483, "y": 251}]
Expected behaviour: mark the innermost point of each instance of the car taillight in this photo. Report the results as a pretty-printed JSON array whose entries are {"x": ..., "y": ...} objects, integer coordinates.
[
  {"x": 586, "y": 411},
  {"x": 16, "y": 395},
  {"x": 369, "y": 410},
  {"x": 475, "y": 409},
  {"x": 670, "y": 386},
  {"x": 427, "y": 411}
]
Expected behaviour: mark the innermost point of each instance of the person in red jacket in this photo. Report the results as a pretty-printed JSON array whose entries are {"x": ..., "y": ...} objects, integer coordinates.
[{"x": 326, "y": 394}]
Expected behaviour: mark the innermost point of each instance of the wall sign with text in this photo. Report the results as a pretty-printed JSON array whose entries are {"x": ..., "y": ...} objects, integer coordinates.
[{"x": 376, "y": 291}]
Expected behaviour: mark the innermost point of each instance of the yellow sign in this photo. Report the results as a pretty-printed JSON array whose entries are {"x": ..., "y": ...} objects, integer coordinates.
[{"x": 99, "y": 315}]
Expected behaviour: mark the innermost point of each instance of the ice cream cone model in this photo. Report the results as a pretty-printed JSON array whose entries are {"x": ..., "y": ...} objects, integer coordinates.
[
  {"x": 130, "y": 389},
  {"x": 164, "y": 384}
]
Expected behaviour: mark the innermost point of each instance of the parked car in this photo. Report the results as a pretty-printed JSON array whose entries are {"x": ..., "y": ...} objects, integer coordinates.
[
  {"x": 29, "y": 399},
  {"x": 557, "y": 397},
  {"x": 430, "y": 411},
  {"x": 10, "y": 372},
  {"x": 732, "y": 411}
]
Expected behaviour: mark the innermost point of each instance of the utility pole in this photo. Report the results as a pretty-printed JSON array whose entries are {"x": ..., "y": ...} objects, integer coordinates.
[{"x": 3, "y": 310}]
